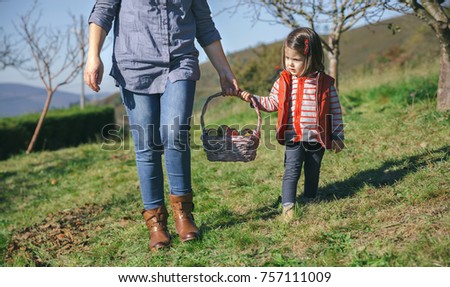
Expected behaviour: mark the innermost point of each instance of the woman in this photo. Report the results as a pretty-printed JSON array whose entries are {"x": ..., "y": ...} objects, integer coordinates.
[{"x": 155, "y": 64}]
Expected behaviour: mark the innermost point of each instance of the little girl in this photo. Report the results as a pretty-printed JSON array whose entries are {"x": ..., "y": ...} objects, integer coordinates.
[{"x": 309, "y": 114}]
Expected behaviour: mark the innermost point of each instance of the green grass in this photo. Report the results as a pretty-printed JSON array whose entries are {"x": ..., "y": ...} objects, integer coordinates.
[{"x": 384, "y": 201}]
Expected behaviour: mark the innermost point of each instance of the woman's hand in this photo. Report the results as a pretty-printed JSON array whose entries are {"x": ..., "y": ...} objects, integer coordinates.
[
  {"x": 228, "y": 81},
  {"x": 337, "y": 146},
  {"x": 93, "y": 73},
  {"x": 229, "y": 84},
  {"x": 246, "y": 96}
]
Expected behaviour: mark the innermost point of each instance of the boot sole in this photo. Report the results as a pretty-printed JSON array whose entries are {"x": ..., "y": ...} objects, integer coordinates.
[
  {"x": 157, "y": 248},
  {"x": 190, "y": 239}
]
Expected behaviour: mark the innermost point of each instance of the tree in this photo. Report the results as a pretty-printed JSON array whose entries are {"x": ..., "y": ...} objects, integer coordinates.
[
  {"x": 338, "y": 15},
  {"x": 46, "y": 47},
  {"x": 436, "y": 15},
  {"x": 82, "y": 43},
  {"x": 8, "y": 55}
]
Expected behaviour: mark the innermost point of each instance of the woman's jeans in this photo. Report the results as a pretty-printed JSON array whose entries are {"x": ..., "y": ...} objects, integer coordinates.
[
  {"x": 297, "y": 154},
  {"x": 160, "y": 124}
]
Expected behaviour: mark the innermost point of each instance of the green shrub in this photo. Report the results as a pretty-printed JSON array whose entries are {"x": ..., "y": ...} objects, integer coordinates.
[{"x": 61, "y": 128}]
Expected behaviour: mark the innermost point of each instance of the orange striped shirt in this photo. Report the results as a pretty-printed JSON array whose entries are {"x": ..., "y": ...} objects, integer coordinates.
[{"x": 308, "y": 109}]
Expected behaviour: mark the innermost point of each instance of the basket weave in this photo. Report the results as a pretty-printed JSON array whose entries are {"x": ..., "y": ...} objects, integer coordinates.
[{"x": 230, "y": 148}]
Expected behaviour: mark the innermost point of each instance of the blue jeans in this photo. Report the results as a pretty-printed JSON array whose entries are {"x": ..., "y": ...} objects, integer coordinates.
[
  {"x": 296, "y": 155},
  {"x": 160, "y": 124}
]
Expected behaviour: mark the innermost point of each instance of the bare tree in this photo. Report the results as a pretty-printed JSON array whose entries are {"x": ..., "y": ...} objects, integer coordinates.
[
  {"x": 8, "y": 52},
  {"x": 338, "y": 15},
  {"x": 436, "y": 14},
  {"x": 47, "y": 46}
]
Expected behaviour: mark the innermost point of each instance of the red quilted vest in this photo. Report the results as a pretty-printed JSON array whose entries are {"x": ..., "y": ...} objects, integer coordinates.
[{"x": 324, "y": 83}]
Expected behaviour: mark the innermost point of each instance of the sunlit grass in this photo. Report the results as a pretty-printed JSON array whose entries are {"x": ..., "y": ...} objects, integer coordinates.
[{"x": 383, "y": 201}]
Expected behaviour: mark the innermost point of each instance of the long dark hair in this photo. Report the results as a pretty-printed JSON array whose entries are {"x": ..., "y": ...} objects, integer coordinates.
[{"x": 306, "y": 42}]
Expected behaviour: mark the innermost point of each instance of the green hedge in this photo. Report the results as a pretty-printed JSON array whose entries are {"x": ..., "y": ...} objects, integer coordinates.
[{"x": 61, "y": 128}]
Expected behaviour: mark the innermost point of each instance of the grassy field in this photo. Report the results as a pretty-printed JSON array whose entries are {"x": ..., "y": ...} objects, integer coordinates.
[{"x": 384, "y": 201}]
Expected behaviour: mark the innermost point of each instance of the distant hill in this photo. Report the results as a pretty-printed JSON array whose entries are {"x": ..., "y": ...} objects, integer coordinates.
[{"x": 18, "y": 99}]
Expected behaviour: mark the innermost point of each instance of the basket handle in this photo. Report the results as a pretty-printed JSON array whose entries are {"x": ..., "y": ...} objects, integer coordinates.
[{"x": 220, "y": 94}]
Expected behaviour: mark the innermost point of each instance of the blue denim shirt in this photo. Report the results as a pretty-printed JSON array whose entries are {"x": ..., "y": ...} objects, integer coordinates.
[{"x": 154, "y": 40}]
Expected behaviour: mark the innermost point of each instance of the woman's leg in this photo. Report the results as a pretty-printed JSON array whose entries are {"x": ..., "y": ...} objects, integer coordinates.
[
  {"x": 144, "y": 118},
  {"x": 176, "y": 111}
]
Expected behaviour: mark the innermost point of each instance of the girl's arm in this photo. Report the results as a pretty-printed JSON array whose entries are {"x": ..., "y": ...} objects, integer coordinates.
[
  {"x": 337, "y": 124},
  {"x": 93, "y": 72},
  {"x": 267, "y": 104}
]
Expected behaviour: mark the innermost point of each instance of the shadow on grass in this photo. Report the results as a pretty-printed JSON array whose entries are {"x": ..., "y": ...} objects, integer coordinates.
[
  {"x": 389, "y": 173},
  {"x": 225, "y": 218}
]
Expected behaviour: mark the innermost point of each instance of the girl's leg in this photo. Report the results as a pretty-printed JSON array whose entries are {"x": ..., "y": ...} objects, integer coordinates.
[
  {"x": 293, "y": 160},
  {"x": 176, "y": 111},
  {"x": 313, "y": 159},
  {"x": 144, "y": 118}
]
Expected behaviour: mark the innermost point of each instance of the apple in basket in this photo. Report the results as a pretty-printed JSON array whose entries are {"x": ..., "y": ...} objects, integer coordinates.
[
  {"x": 232, "y": 132},
  {"x": 246, "y": 132}
]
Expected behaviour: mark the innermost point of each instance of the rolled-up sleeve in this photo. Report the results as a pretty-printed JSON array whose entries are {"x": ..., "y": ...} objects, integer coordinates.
[
  {"x": 104, "y": 12},
  {"x": 206, "y": 32}
]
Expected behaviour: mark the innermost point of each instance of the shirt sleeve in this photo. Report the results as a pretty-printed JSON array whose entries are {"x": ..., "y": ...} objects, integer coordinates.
[
  {"x": 335, "y": 109},
  {"x": 104, "y": 12},
  {"x": 206, "y": 32},
  {"x": 270, "y": 103}
]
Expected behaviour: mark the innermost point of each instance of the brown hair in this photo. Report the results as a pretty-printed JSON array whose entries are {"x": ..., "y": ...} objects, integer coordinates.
[{"x": 306, "y": 42}]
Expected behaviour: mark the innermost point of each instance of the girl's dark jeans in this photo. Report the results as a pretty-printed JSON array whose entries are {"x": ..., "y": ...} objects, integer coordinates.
[{"x": 310, "y": 155}]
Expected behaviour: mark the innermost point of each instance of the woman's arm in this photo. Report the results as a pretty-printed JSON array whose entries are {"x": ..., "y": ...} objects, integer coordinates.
[
  {"x": 93, "y": 72},
  {"x": 209, "y": 38},
  {"x": 217, "y": 57}
]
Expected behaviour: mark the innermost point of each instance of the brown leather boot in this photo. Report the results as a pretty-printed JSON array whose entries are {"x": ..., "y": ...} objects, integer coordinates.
[
  {"x": 156, "y": 221},
  {"x": 182, "y": 207}
]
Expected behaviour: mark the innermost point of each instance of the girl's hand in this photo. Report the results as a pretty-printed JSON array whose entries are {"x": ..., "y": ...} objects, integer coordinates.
[
  {"x": 337, "y": 146},
  {"x": 246, "y": 96}
]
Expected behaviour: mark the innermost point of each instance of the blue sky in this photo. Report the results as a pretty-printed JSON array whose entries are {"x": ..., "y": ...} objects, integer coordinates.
[{"x": 238, "y": 31}]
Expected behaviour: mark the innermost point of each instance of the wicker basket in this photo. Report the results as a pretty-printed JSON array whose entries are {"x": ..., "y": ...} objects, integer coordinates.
[{"x": 229, "y": 148}]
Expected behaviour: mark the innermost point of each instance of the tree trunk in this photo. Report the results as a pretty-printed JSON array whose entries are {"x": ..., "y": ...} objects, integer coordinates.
[
  {"x": 443, "y": 92},
  {"x": 82, "y": 44},
  {"x": 40, "y": 122},
  {"x": 334, "y": 66},
  {"x": 333, "y": 60},
  {"x": 82, "y": 96}
]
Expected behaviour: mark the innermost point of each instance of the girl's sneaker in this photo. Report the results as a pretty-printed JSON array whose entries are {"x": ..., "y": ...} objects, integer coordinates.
[{"x": 288, "y": 212}]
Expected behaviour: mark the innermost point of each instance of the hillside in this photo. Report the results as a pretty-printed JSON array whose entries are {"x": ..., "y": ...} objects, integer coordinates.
[
  {"x": 362, "y": 49},
  {"x": 18, "y": 99}
]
